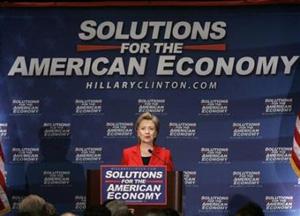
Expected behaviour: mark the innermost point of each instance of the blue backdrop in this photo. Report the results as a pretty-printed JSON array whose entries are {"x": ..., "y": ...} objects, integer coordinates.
[{"x": 223, "y": 82}]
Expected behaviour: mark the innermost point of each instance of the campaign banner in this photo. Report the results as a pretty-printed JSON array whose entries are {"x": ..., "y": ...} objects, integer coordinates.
[
  {"x": 144, "y": 185},
  {"x": 223, "y": 81}
]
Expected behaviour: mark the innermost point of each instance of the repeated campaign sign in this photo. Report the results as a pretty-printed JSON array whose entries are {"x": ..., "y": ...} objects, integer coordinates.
[
  {"x": 224, "y": 82},
  {"x": 144, "y": 185}
]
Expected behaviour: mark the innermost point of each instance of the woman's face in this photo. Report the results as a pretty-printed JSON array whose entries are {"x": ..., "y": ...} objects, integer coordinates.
[{"x": 146, "y": 132}]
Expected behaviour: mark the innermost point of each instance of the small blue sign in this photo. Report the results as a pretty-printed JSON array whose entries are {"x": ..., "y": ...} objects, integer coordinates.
[{"x": 136, "y": 185}]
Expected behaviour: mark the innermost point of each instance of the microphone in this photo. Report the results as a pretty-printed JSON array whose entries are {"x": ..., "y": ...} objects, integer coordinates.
[{"x": 156, "y": 155}]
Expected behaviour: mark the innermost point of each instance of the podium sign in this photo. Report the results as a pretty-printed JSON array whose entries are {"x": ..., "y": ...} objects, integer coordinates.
[{"x": 136, "y": 185}]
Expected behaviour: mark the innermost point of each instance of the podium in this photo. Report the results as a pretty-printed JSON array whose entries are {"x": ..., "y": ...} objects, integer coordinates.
[{"x": 174, "y": 192}]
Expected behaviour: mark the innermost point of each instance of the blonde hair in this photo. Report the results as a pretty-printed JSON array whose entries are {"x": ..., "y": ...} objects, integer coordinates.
[
  {"x": 32, "y": 204},
  {"x": 148, "y": 116},
  {"x": 117, "y": 207}
]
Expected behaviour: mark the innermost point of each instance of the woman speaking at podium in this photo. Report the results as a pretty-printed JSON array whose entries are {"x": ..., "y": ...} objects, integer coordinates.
[{"x": 146, "y": 152}]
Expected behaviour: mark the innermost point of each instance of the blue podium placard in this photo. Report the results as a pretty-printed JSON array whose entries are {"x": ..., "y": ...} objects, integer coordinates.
[{"x": 136, "y": 185}]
